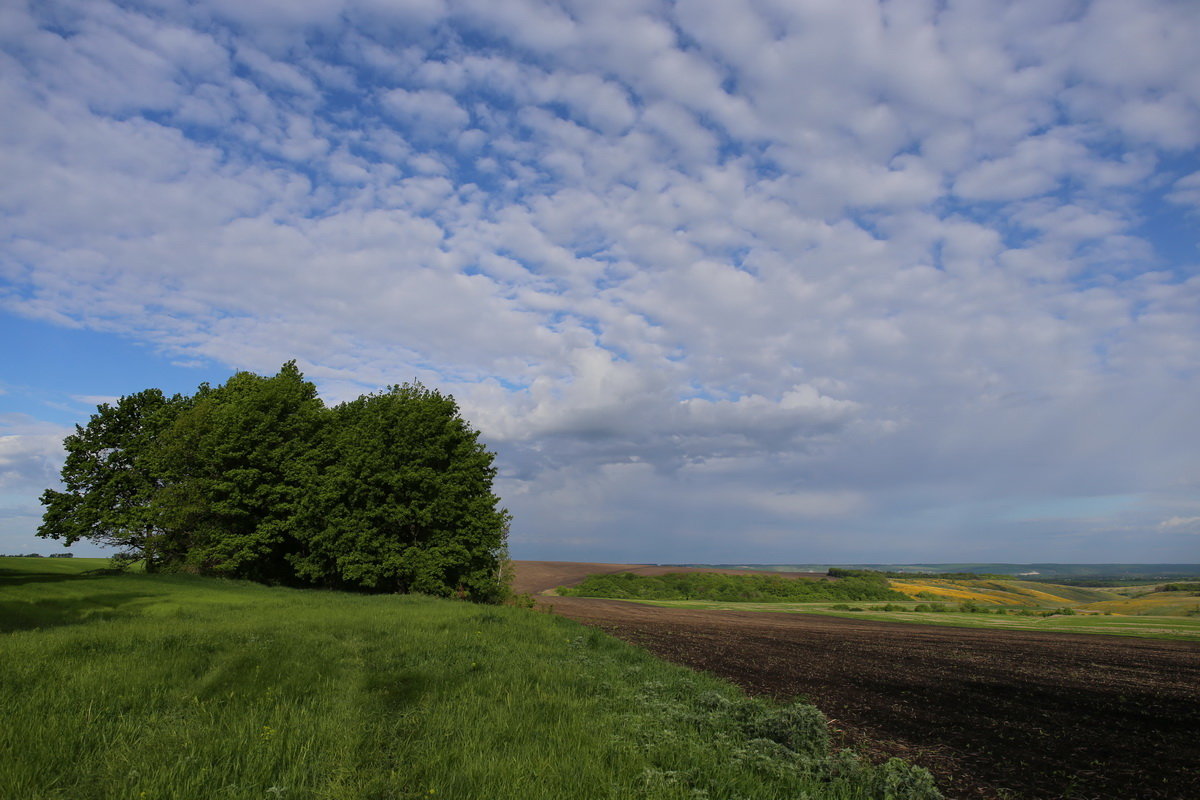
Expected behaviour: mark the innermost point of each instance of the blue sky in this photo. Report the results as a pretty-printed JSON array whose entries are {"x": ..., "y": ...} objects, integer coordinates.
[{"x": 736, "y": 281}]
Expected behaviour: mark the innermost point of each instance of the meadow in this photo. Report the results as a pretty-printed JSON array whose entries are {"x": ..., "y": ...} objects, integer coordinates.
[{"x": 175, "y": 686}]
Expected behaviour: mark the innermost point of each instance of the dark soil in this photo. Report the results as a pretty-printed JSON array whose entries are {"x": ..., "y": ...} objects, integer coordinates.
[{"x": 993, "y": 714}]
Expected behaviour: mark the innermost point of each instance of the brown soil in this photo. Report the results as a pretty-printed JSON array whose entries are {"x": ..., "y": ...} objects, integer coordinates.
[
  {"x": 534, "y": 577},
  {"x": 993, "y": 714}
]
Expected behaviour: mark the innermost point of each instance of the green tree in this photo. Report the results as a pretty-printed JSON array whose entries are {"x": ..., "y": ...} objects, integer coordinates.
[
  {"x": 402, "y": 500},
  {"x": 110, "y": 480},
  {"x": 256, "y": 479},
  {"x": 234, "y": 466}
]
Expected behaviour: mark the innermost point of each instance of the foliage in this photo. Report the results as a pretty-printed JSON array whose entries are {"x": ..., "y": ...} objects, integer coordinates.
[
  {"x": 745, "y": 588},
  {"x": 404, "y": 500},
  {"x": 845, "y": 572},
  {"x": 257, "y": 479},
  {"x": 1178, "y": 587},
  {"x": 235, "y": 465},
  {"x": 109, "y": 479},
  {"x": 178, "y": 686}
]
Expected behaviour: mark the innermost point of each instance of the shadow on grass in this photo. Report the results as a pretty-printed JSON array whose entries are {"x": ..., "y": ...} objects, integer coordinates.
[
  {"x": 18, "y": 616},
  {"x": 20, "y": 577}
]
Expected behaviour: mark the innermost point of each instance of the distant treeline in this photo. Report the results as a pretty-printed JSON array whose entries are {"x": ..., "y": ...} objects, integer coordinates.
[
  {"x": 37, "y": 555},
  {"x": 1099, "y": 581},
  {"x": 732, "y": 588},
  {"x": 840, "y": 572},
  {"x": 1179, "y": 587},
  {"x": 258, "y": 479}
]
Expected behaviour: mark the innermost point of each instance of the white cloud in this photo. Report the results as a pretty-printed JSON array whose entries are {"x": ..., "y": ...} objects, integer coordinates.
[
  {"x": 1188, "y": 524},
  {"x": 31, "y": 454},
  {"x": 837, "y": 251},
  {"x": 95, "y": 399},
  {"x": 1186, "y": 190},
  {"x": 431, "y": 113}
]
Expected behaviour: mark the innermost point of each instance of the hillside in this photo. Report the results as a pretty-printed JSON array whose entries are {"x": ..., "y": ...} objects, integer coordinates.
[
  {"x": 535, "y": 577},
  {"x": 177, "y": 686},
  {"x": 998, "y": 592}
]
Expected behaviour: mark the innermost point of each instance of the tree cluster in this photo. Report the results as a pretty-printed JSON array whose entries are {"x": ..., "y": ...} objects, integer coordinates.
[
  {"x": 258, "y": 479},
  {"x": 730, "y": 588}
]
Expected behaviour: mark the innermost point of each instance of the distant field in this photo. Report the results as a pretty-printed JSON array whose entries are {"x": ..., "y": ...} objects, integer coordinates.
[
  {"x": 999, "y": 592},
  {"x": 992, "y": 603},
  {"x": 159, "y": 687},
  {"x": 1155, "y": 627},
  {"x": 1157, "y": 604}
]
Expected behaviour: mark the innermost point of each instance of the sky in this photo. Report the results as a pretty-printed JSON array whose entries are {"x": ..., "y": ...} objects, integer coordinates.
[{"x": 723, "y": 281}]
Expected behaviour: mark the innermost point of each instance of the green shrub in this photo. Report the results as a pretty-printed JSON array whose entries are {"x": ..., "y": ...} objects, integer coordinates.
[{"x": 731, "y": 588}]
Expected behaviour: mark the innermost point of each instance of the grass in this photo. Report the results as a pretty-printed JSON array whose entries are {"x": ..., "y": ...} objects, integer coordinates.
[
  {"x": 999, "y": 592},
  {"x": 1154, "y": 627},
  {"x": 150, "y": 686},
  {"x": 1171, "y": 604}
]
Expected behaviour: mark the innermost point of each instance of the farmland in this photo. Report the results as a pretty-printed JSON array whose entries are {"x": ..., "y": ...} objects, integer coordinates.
[
  {"x": 992, "y": 712},
  {"x": 1158, "y": 627},
  {"x": 177, "y": 686}
]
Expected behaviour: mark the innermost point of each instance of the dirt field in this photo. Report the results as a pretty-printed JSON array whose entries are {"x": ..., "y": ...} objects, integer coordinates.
[{"x": 991, "y": 713}]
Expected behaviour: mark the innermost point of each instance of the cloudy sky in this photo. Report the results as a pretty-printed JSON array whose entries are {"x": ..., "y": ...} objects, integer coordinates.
[{"x": 719, "y": 280}]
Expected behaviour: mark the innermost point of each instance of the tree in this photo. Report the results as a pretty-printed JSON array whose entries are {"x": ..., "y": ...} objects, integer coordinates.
[
  {"x": 233, "y": 467},
  {"x": 257, "y": 479},
  {"x": 403, "y": 500},
  {"x": 110, "y": 480}
]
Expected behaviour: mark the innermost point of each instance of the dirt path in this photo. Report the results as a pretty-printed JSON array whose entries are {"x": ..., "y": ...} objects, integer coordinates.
[{"x": 991, "y": 713}]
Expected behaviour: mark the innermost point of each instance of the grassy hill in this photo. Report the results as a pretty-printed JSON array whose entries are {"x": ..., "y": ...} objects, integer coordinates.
[
  {"x": 159, "y": 686},
  {"x": 998, "y": 592}
]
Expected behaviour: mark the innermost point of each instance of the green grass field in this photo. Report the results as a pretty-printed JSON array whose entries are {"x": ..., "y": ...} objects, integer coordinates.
[
  {"x": 1155, "y": 627},
  {"x": 128, "y": 686}
]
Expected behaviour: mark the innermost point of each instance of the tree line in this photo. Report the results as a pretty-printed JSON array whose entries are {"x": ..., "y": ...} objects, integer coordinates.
[
  {"x": 258, "y": 479},
  {"x": 731, "y": 588}
]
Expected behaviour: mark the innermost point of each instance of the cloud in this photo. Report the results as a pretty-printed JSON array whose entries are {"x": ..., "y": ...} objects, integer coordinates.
[
  {"x": 1186, "y": 191},
  {"x": 430, "y": 113},
  {"x": 31, "y": 455},
  {"x": 860, "y": 260},
  {"x": 95, "y": 399},
  {"x": 1184, "y": 524}
]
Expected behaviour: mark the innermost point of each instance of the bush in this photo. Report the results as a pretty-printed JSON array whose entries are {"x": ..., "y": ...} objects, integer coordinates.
[
  {"x": 800, "y": 728},
  {"x": 1178, "y": 587},
  {"x": 731, "y": 588}
]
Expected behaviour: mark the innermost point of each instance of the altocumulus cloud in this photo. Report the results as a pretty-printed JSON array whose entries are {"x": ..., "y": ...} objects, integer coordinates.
[{"x": 736, "y": 281}]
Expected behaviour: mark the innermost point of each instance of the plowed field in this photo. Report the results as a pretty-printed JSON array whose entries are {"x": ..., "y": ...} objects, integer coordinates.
[{"x": 991, "y": 713}]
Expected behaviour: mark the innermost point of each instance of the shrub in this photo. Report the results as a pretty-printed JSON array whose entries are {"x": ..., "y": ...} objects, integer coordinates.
[
  {"x": 731, "y": 588},
  {"x": 800, "y": 728}
]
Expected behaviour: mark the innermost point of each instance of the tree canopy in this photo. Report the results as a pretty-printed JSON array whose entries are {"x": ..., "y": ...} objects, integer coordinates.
[{"x": 258, "y": 479}]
